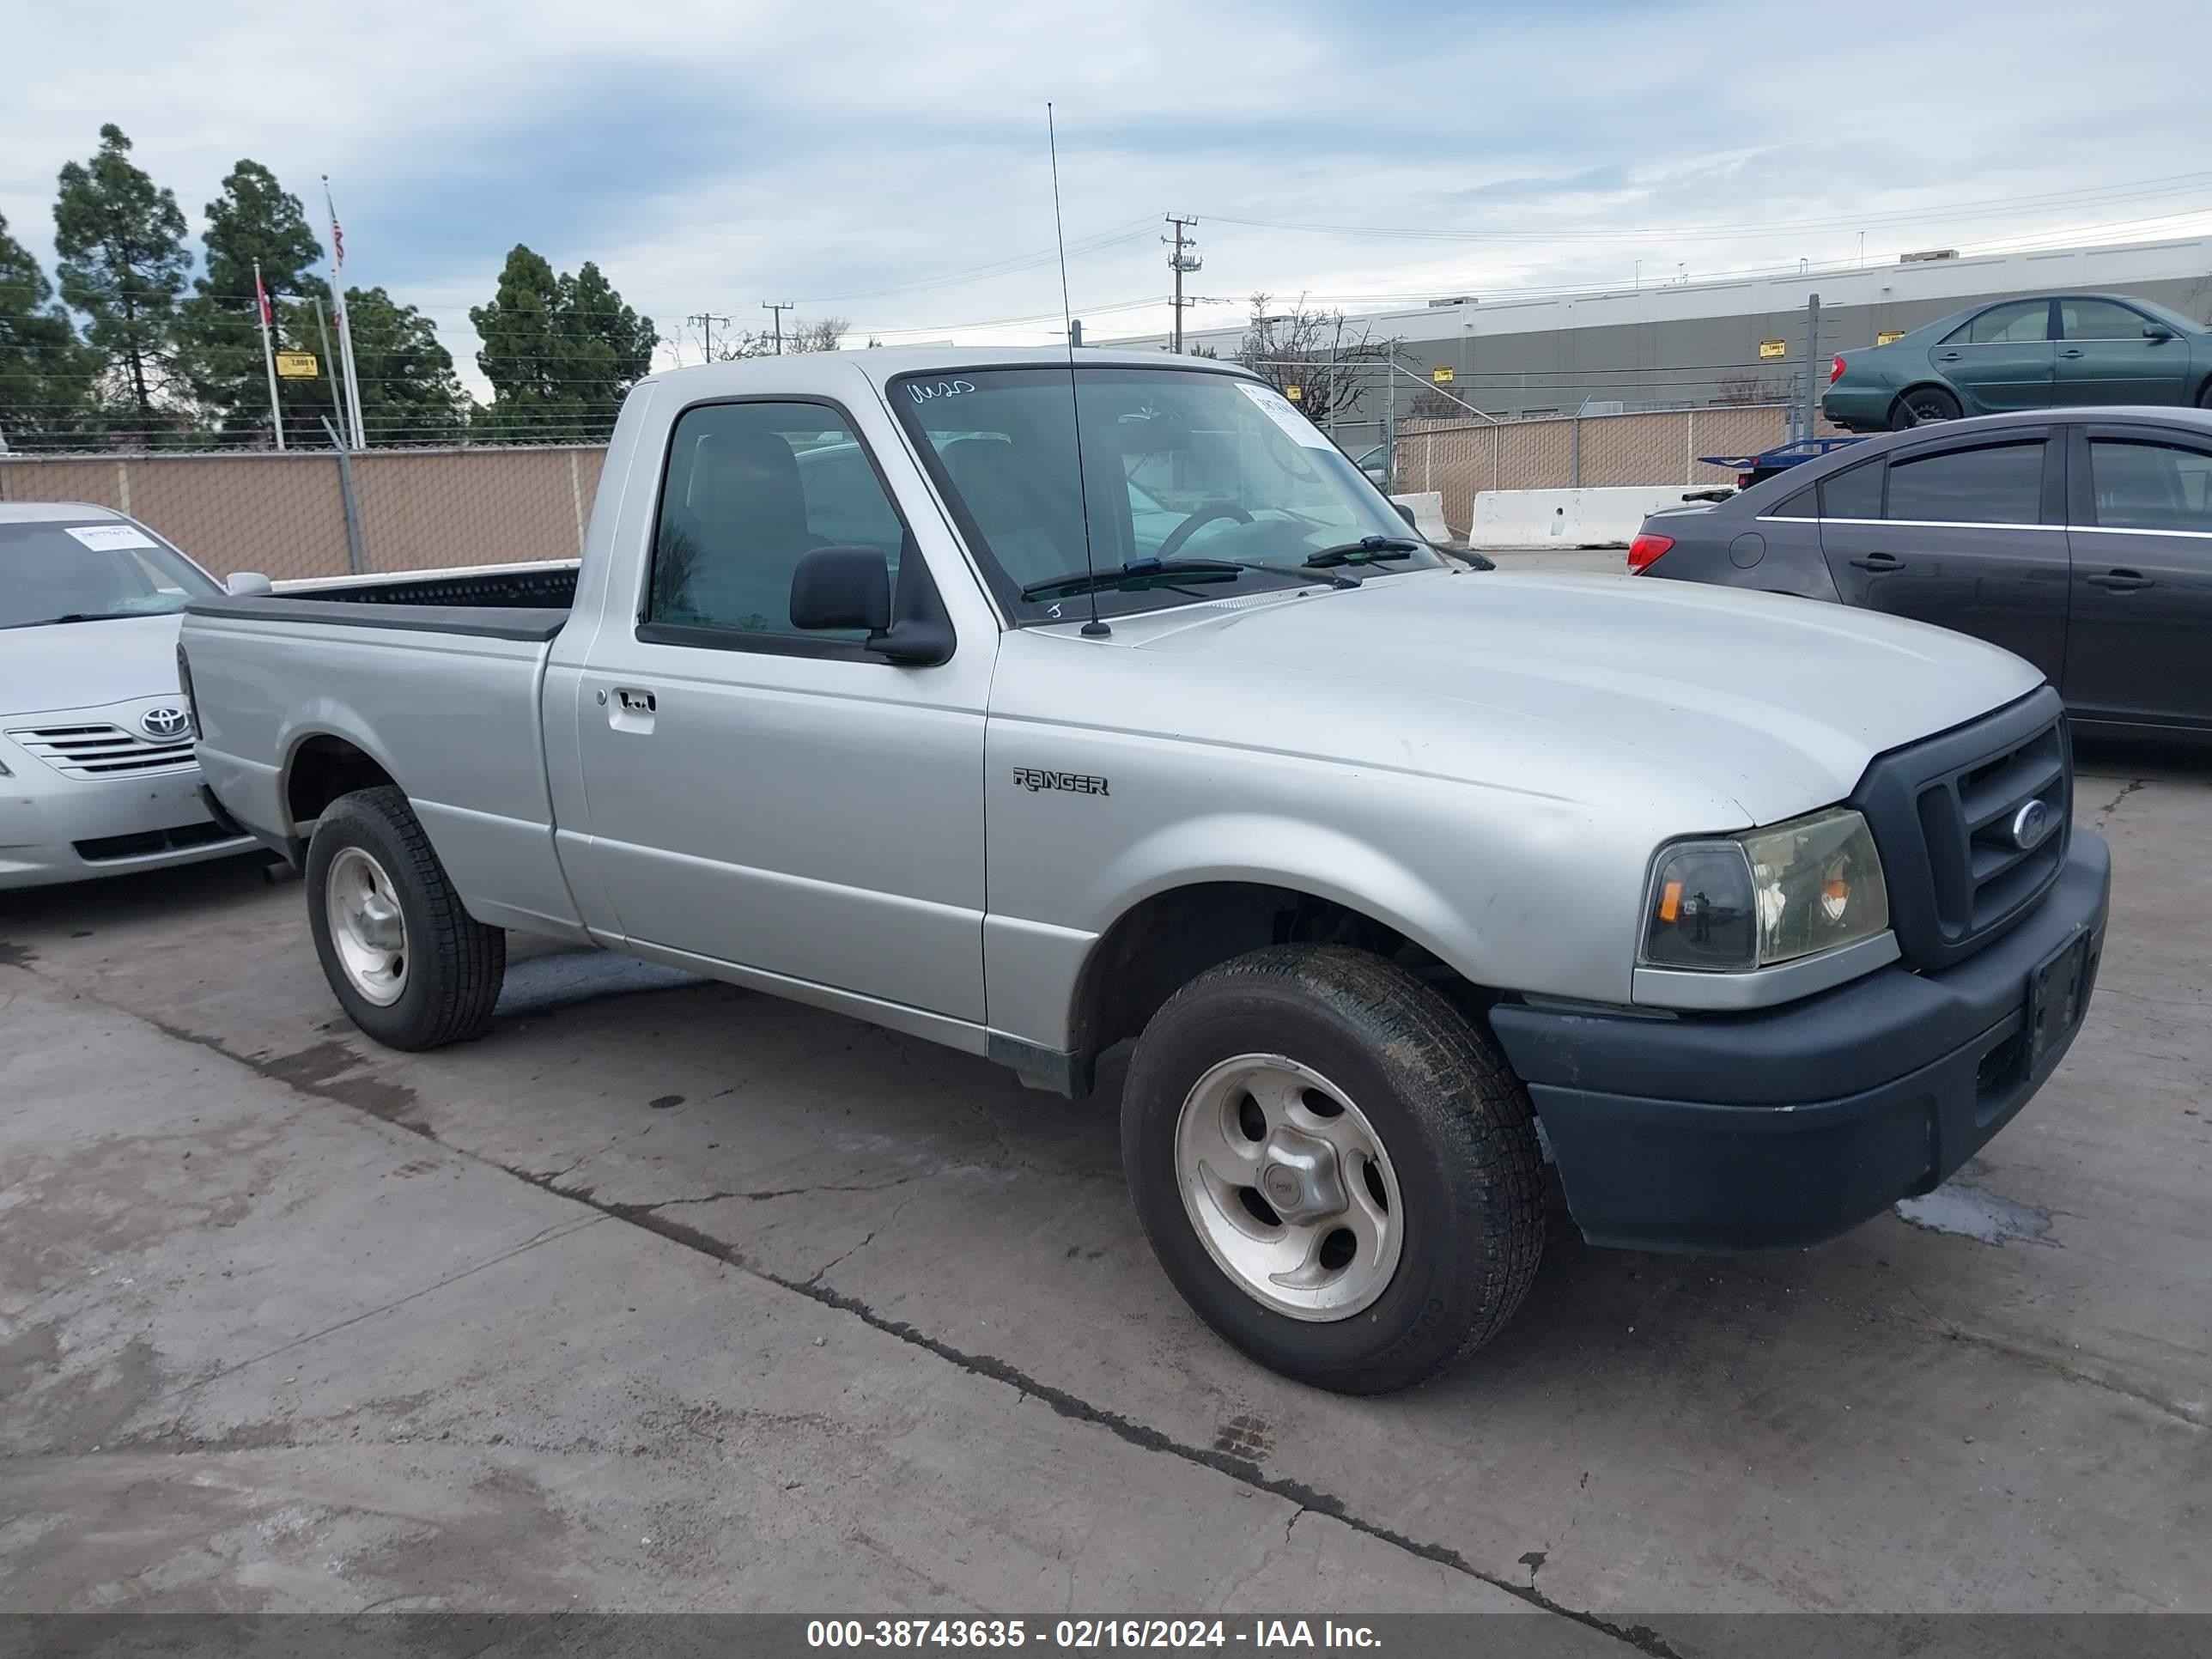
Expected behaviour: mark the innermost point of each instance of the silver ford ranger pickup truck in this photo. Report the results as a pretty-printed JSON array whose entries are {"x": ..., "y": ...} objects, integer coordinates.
[{"x": 1033, "y": 708}]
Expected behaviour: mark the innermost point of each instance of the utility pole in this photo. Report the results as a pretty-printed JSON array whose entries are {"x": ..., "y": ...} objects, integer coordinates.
[
  {"x": 778, "y": 306},
  {"x": 1183, "y": 258},
  {"x": 706, "y": 319}
]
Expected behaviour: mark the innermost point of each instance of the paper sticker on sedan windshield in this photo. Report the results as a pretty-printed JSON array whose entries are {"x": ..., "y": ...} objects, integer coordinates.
[
  {"x": 1280, "y": 410},
  {"x": 106, "y": 536}
]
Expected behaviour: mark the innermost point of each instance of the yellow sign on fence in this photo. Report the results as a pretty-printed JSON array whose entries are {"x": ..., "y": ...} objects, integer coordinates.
[
  {"x": 296, "y": 365},
  {"x": 1295, "y": 393},
  {"x": 1441, "y": 374},
  {"x": 1888, "y": 336},
  {"x": 1773, "y": 349}
]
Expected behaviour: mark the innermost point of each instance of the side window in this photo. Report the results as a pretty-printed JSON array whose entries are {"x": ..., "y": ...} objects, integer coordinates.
[
  {"x": 2143, "y": 486},
  {"x": 2021, "y": 321},
  {"x": 2098, "y": 320},
  {"x": 1854, "y": 493},
  {"x": 1799, "y": 506},
  {"x": 1997, "y": 483},
  {"x": 751, "y": 489}
]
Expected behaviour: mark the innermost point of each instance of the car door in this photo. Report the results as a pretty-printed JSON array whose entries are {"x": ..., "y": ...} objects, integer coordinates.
[
  {"x": 2002, "y": 358},
  {"x": 765, "y": 796},
  {"x": 2109, "y": 353},
  {"x": 2139, "y": 649},
  {"x": 1963, "y": 530}
]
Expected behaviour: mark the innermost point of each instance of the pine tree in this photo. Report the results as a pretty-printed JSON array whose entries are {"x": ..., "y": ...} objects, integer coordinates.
[
  {"x": 560, "y": 351},
  {"x": 255, "y": 218},
  {"x": 123, "y": 264},
  {"x": 47, "y": 375}
]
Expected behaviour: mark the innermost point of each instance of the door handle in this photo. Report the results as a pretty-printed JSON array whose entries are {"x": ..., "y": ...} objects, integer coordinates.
[
  {"x": 2120, "y": 582},
  {"x": 1877, "y": 561},
  {"x": 634, "y": 700},
  {"x": 1947, "y": 356},
  {"x": 2071, "y": 351}
]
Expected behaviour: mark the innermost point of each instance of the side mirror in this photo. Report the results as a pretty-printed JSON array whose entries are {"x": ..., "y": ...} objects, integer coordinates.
[
  {"x": 247, "y": 585},
  {"x": 1407, "y": 513},
  {"x": 842, "y": 587},
  {"x": 2157, "y": 332}
]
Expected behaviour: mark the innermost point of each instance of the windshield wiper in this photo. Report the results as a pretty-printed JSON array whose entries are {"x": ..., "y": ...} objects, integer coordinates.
[
  {"x": 73, "y": 616},
  {"x": 1365, "y": 550},
  {"x": 1166, "y": 573}
]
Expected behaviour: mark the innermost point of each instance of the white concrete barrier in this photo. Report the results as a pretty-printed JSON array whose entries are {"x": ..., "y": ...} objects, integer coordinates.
[
  {"x": 1571, "y": 517},
  {"x": 1428, "y": 506}
]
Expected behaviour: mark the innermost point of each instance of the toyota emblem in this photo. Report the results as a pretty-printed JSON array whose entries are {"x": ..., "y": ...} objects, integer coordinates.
[{"x": 164, "y": 724}]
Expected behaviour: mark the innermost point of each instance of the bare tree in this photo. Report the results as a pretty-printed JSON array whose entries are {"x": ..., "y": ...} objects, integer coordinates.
[
  {"x": 1329, "y": 360},
  {"x": 825, "y": 334}
]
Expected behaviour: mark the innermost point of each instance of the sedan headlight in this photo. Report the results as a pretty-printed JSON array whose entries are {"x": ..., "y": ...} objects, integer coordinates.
[{"x": 1766, "y": 896}]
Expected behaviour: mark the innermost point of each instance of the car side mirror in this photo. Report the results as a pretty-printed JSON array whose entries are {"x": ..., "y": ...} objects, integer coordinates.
[
  {"x": 1407, "y": 513},
  {"x": 842, "y": 587},
  {"x": 247, "y": 585},
  {"x": 2157, "y": 332}
]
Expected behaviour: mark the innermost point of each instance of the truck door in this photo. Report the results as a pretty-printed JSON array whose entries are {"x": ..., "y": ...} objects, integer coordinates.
[
  {"x": 1966, "y": 532},
  {"x": 767, "y": 796},
  {"x": 2137, "y": 650}
]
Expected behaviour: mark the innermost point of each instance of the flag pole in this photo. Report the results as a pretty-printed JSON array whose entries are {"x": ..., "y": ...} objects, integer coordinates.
[
  {"x": 345, "y": 323},
  {"x": 329, "y": 371},
  {"x": 268, "y": 355}
]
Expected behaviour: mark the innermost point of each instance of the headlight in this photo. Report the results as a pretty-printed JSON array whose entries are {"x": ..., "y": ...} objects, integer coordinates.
[{"x": 1766, "y": 896}]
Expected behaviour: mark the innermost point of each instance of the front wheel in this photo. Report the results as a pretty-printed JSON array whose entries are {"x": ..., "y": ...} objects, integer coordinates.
[
  {"x": 407, "y": 961},
  {"x": 1921, "y": 406},
  {"x": 1333, "y": 1166}
]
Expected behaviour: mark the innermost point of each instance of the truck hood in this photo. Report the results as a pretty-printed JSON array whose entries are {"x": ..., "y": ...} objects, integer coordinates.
[
  {"x": 1773, "y": 702},
  {"x": 88, "y": 665}
]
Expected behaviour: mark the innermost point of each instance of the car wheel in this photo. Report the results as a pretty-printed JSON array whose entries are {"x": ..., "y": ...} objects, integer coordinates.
[
  {"x": 1921, "y": 406},
  {"x": 2204, "y": 395},
  {"x": 408, "y": 964},
  {"x": 1334, "y": 1167}
]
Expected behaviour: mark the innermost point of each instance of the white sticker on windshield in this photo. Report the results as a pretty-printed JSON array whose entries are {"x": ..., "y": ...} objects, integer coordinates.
[
  {"x": 1285, "y": 414},
  {"x": 106, "y": 536}
]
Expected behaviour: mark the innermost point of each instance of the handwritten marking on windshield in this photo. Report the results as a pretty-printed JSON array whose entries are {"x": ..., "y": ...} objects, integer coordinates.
[{"x": 922, "y": 394}]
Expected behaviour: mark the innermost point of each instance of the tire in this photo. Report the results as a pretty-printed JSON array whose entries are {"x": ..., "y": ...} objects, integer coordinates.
[
  {"x": 372, "y": 864},
  {"x": 2204, "y": 395},
  {"x": 1921, "y": 406},
  {"x": 1405, "y": 1069}
]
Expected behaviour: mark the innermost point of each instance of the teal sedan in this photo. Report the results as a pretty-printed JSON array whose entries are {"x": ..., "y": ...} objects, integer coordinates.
[{"x": 2054, "y": 351}]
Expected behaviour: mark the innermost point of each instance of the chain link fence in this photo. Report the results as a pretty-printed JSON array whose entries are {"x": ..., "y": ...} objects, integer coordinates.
[{"x": 324, "y": 512}]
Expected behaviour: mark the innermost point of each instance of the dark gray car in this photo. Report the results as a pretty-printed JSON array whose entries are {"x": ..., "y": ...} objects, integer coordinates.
[{"x": 2081, "y": 538}]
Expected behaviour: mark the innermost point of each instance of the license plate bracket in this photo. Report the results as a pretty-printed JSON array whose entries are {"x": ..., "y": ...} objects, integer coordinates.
[{"x": 2057, "y": 992}]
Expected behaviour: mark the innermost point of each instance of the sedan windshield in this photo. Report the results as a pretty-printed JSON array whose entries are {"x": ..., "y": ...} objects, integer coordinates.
[
  {"x": 91, "y": 572},
  {"x": 1179, "y": 466}
]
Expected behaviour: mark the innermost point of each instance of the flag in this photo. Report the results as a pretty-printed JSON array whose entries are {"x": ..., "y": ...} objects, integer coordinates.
[{"x": 268, "y": 317}]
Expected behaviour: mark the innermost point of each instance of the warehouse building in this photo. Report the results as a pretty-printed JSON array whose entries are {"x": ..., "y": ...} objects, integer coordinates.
[{"x": 1736, "y": 341}]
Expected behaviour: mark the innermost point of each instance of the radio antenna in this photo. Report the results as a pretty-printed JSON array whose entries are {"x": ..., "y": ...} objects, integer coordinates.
[{"x": 1094, "y": 629}]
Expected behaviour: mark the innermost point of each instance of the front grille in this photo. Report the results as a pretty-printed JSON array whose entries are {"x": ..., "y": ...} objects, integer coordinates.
[
  {"x": 105, "y": 849},
  {"x": 103, "y": 752},
  {"x": 1941, "y": 811}
]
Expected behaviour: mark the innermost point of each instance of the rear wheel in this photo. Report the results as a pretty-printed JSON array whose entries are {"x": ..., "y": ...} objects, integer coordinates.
[
  {"x": 1333, "y": 1166},
  {"x": 1923, "y": 406},
  {"x": 407, "y": 961}
]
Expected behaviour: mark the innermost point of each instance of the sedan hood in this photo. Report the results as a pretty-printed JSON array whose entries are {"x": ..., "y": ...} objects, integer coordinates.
[
  {"x": 1774, "y": 703},
  {"x": 88, "y": 665}
]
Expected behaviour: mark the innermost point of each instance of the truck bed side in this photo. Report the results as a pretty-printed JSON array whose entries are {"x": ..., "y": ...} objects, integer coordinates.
[{"x": 441, "y": 698}]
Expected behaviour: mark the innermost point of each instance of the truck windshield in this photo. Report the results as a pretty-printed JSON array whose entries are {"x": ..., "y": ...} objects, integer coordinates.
[
  {"x": 1178, "y": 464},
  {"x": 91, "y": 572}
]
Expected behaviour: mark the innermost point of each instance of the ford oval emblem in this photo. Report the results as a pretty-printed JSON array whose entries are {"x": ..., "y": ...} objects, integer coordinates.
[
  {"x": 2031, "y": 826},
  {"x": 166, "y": 724}
]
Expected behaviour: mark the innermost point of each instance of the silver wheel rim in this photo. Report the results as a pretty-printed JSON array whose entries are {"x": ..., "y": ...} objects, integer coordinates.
[
  {"x": 367, "y": 928},
  {"x": 1323, "y": 1238}
]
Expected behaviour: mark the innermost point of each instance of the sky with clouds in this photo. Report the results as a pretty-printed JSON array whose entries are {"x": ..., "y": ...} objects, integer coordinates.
[{"x": 887, "y": 162}]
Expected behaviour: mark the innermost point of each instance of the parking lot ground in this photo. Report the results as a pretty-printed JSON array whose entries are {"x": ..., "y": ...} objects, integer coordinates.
[{"x": 669, "y": 1295}]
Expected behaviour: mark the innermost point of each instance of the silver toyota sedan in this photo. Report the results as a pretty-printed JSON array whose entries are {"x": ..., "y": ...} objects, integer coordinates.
[{"x": 97, "y": 776}]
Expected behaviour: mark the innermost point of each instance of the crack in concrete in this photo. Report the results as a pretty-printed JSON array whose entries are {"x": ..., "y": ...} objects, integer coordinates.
[
  {"x": 782, "y": 1192},
  {"x": 2112, "y": 806}
]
